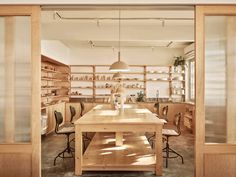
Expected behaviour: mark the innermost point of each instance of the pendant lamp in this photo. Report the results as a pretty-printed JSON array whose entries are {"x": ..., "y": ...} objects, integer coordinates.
[
  {"x": 119, "y": 66},
  {"x": 117, "y": 76}
]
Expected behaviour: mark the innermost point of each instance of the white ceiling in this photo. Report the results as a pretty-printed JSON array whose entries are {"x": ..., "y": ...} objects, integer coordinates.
[{"x": 134, "y": 33}]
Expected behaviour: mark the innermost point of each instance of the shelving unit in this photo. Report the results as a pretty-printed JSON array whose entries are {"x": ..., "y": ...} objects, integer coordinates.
[
  {"x": 55, "y": 82},
  {"x": 96, "y": 80}
]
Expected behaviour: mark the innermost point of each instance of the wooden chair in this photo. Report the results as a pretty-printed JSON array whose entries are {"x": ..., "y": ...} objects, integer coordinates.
[
  {"x": 63, "y": 130},
  {"x": 157, "y": 107},
  {"x": 82, "y": 108},
  {"x": 164, "y": 116},
  {"x": 165, "y": 113},
  {"x": 167, "y": 133},
  {"x": 73, "y": 113},
  {"x": 81, "y": 114}
]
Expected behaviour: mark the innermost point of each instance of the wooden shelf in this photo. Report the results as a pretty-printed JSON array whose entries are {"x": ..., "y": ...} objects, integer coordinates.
[
  {"x": 49, "y": 104},
  {"x": 135, "y": 155},
  {"x": 55, "y": 96},
  {"x": 80, "y": 96},
  {"x": 102, "y": 88},
  {"x": 81, "y": 73},
  {"x": 52, "y": 88},
  {"x": 157, "y": 72},
  {"x": 82, "y": 87},
  {"x": 50, "y": 79},
  {"x": 122, "y": 73},
  {"x": 164, "y": 73},
  {"x": 81, "y": 80},
  {"x": 133, "y": 80},
  {"x": 173, "y": 80},
  {"x": 125, "y": 88},
  {"x": 176, "y": 73},
  {"x": 102, "y": 94},
  {"x": 158, "y": 80},
  {"x": 54, "y": 76},
  {"x": 136, "y": 88},
  {"x": 142, "y": 75},
  {"x": 52, "y": 71}
]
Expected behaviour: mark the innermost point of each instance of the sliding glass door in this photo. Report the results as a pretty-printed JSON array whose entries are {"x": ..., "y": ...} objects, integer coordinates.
[
  {"x": 19, "y": 91},
  {"x": 215, "y": 91}
]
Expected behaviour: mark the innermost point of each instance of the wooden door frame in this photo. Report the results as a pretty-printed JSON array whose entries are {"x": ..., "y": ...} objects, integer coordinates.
[
  {"x": 33, "y": 147},
  {"x": 201, "y": 147}
]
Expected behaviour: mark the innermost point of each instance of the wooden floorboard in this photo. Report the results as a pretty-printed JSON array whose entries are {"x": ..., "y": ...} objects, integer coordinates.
[{"x": 134, "y": 155}]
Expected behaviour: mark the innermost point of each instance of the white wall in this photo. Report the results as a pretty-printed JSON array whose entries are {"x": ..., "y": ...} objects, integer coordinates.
[
  {"x": 133, "y": 56},
  {"x": 55, "y": 50}
]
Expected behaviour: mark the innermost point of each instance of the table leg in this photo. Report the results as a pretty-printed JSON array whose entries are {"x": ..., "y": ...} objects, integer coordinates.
[
  {"x": 158, "y": 150},
  {"x": 78, "y": 151},
  {"x": 119, "y": 138}
]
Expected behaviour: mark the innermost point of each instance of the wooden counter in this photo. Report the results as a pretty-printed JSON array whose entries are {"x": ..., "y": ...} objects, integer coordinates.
[
  {"x": 134, "y": 118},
  {"x": 186, "y": 108}
]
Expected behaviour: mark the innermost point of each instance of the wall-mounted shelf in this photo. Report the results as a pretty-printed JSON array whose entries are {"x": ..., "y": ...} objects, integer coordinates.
[
  {"x": 53, "y": 71},
  {"x": 55, "y": 82},
  {"x": 148, "y": 77}
]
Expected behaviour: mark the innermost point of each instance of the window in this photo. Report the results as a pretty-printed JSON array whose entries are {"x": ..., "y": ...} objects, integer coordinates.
[{"x": 191, "y": 80}]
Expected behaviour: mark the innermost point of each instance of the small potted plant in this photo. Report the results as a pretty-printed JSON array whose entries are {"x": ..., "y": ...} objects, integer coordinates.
[
  {"x": 140, "y": 97},
  {"x": 179, "y": 61}
]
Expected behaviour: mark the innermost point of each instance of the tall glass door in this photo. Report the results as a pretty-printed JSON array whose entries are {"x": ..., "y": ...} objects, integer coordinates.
[
  {"x": 216, "y": 91},
  {"x": 19, "y": 91}
]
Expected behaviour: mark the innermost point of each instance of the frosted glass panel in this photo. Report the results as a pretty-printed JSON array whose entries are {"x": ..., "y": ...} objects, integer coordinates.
[
  {"x": 22, "y": 78},
  {"x": 15, "y": 79},
  {"x": 220, "y": 60},
  {"x": 2, "y": 79}
]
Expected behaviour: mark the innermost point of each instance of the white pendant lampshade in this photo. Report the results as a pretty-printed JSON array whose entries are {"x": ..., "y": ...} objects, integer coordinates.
[
  {"x": 117, "y": 76},
  {"x": 119, "y": 66}
]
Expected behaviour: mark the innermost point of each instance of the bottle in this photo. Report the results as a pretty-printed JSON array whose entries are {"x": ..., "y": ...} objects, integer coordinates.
[{"x": 157, "y": 94}]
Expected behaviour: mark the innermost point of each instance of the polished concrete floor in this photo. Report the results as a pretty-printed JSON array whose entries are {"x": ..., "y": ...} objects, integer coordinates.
[{"x": 53, "y": 144}]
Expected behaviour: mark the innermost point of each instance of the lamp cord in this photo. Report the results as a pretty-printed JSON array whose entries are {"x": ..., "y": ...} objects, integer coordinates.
[{"x": 119, "y": 37}]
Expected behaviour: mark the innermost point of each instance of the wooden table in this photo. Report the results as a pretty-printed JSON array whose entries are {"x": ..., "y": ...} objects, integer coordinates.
[{"x": 134, "y": 155}]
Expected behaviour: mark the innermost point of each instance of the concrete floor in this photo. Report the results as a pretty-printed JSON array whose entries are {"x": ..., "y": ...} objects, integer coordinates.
[{"x": 53, "y": 144}]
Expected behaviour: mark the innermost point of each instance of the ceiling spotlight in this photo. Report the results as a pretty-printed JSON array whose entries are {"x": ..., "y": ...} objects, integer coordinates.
[
  {"x": 169, "y": 44},
  {"x": 163, "y": 22},
  {"x": 54, "y": 15},
  {"x": 98, "y": 23},
  {"x": 113, "y": 48},
  {"x": 91, "y": 44},
  {"x": 152, "y": 49}
]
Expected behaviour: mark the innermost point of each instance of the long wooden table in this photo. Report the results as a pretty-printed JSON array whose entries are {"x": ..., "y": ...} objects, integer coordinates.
[{"x": 133, "y": 152}]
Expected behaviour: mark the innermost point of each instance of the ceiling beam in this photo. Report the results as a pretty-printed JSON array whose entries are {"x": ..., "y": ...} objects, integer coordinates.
[{"x": 116, "y": 7}]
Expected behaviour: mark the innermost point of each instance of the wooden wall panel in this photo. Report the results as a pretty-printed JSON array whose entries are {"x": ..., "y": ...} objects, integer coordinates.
[
  {"x": 15, "y": 165},
  {"x": 220, "y": 165}
]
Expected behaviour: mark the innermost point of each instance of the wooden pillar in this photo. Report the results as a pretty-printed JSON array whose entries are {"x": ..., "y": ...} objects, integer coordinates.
[
  {"x": 158, "y": 150},
  {"x": 9, "y": 80},
  {"x": 231, "y": 79},
  {"x": 78, "y": 150}
]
